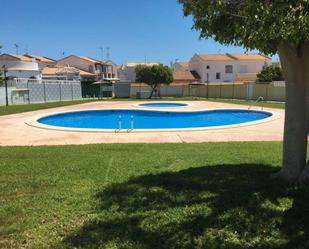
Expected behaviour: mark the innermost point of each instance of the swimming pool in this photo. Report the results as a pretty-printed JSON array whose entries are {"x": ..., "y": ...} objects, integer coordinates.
[
  {"x": 162, "y": 104},
  {"x": 143, "y": 120}
]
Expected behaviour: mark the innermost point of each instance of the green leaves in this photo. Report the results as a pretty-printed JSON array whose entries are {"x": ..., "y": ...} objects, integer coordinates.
[
  {"x": 254, "y": 24},
  {"x": 270, "y": 74},
  {"x": 153, "y": 75}
]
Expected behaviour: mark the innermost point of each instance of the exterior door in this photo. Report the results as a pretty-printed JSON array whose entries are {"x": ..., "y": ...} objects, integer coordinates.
[{"x": 249, "y": 91}]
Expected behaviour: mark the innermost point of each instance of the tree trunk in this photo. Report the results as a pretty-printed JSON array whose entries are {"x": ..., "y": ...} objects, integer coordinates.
[
  {"x": 152, "y": 90},
  {"x": 295, "y": 65}
]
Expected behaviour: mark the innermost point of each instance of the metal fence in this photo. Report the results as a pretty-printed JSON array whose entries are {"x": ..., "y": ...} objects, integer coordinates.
[{"x": 23, "y": 91}]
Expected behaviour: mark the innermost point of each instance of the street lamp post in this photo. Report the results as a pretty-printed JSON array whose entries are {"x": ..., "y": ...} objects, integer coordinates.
[
  {"x": 207, "y": 81},
  {"x": 6, "y": 85}
]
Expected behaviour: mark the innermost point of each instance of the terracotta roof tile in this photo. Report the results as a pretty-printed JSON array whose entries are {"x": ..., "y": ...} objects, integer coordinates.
[
  {"x": 239, "y": 56},
  {"x": 40, "y": 58},
  {"x": 184, "y": 64},
  {"x": 60, "y": 70},
  {"x": 215, "y": 57},
  {"x": 233, "y": 57},
  {"x": 17, "y": 57},
  {"x": 184, "y": 75}
]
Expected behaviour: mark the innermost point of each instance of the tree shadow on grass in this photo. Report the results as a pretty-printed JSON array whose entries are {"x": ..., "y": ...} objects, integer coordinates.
[{"x": 224, "y": 206}]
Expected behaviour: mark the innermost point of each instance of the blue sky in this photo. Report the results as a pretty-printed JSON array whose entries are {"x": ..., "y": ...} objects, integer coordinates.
[{"x": 133, "y": 29}]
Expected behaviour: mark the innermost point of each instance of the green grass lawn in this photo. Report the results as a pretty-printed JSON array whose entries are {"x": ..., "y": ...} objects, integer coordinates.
[
  {"x": 6, "y": 110},
  {"x": 270, "y": 104},
  {"x": 211, "y": 195}
]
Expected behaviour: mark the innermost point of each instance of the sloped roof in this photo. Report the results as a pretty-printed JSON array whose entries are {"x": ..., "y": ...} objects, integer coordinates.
[
  {"x": 248, "y": 57},
  {"x": 89, "y": 59},
  {"x": 215, "y": 57},
  {"x": 58, "y": 70},
  {"x": 64, "y": 70},
  {"x": 183, "y": 64},
  {"x": 17, "y": 57},
  {"x": 40, "y": 58},
  {"x": 185, "y": 75},
  {"x": 233, "y": 57}
]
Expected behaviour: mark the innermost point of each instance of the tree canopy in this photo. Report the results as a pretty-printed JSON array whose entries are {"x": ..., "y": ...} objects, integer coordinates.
[
  {"x": 270, "y": 73},
  {"x": 253, "y": 24},
  {"x": 154, "y": 75},
  {"x": 272, "y": 27}
]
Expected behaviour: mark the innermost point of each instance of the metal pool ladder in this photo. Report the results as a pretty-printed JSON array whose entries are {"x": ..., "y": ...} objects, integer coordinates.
[
  {"x": 131, "y": 124},
  {"x": 259, "y": 99},
  {"x": 120, "y": 124}
]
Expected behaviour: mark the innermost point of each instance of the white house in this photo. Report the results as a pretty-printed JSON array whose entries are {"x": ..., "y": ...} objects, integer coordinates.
[
  {"x": 19, "y": 66},
  {"x": 42, "y": 60},
  {"x": 127, "y": 72},
  {"x": 228, "y": 67}
]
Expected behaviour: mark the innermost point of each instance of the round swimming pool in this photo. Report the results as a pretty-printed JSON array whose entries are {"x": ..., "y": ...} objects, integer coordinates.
[
  {"x": 163, "y": 104},
  {"x": 111, "y": 120}
]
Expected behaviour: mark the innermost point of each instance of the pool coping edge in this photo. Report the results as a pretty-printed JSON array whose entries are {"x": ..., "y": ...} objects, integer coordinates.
[{"x": 33, "y": 122}]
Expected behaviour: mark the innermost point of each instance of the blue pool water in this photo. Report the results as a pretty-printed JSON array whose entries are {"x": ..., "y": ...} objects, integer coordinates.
[
  {"x": 109, "y": 119},
  {"x": 163, "y": 104}
]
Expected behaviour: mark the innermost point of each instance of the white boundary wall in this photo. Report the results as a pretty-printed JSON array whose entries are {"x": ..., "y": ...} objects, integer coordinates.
[{"x": 274, "y": 91}]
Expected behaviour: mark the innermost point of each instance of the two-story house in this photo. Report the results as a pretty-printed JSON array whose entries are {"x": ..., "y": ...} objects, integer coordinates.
[
  {"x": 102, "y": 69},
  {"x": 228, "y": 67}
]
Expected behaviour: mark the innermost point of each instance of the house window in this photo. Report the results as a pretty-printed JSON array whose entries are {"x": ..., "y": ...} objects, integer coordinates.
[
  {"x": 218, "y": 76},
  {"x": 91, "y": 69},
  {"x": 207, "y": 67},
  {"x": 228, "y": 69},
  {"x": 105, "y": 69}
]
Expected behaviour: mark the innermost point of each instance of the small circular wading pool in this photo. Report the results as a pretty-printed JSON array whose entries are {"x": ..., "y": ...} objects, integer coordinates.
[
  {"x": 162, "y": 104},
  {"x": 146, "y": 120}
]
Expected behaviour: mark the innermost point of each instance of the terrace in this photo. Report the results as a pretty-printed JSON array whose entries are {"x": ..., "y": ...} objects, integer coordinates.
[{"x": 23, "y": 125}]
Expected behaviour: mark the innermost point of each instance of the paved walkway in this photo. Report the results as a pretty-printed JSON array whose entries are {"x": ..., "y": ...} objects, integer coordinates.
[{"x": 14, "y": 130}]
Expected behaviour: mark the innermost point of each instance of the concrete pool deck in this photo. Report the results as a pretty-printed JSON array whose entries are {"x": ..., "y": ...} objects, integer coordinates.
[{"x": 15, "y": 131}]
